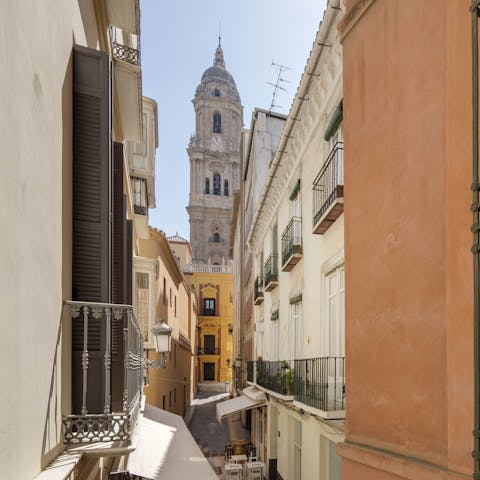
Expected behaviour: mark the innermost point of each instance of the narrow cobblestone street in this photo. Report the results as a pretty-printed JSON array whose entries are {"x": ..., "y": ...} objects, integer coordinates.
[{"x": 212, "y": 436}]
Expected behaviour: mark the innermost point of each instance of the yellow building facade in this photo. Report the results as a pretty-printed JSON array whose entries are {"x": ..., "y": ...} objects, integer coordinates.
[
  {"x": 215, "y": 325},
  {"x": 166, "y": 296}
]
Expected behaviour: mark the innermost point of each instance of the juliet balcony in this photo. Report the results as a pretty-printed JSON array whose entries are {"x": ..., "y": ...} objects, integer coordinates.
[
  {"x": 316, "y": 385},
  {"x": 125, "y": 46},
  {"x": 292, "y": 244},
  {"x": 258, "y": 291},
  {"x": 328, "y": 191},
  {"x": 125, "y": 52},
  {"x": 271, "y": 273},
  {"x": 107, "y": 373},
  {"x": 208, "y": 351}
]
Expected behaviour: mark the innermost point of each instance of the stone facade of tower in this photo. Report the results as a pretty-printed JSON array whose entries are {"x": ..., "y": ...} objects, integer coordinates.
[{"x": 214, "y": 153}]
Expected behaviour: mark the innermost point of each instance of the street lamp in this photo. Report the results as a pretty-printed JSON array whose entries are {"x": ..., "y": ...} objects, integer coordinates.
[{"x": 162, "y": 340}]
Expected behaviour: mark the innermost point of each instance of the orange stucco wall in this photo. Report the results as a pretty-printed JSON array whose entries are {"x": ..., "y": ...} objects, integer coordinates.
[{"x": 407, "y": 114}]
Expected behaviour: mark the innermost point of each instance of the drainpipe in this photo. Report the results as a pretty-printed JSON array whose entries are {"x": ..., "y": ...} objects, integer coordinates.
[{"x": 475, "y": 187}]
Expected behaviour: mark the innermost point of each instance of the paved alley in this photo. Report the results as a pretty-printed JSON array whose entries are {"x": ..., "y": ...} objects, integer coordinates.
[{"x": 212, "y": 436}]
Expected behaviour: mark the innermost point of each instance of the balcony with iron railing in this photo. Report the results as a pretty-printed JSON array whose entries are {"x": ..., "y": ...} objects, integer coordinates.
[
  {"x": 276, "y": 376},
  {"x": 125, "y": 46},
  {"x": 107, "y": 373},
  {"x": 292, "y": 244},
  {"x": 258, "y": 291},
  {"x": 208, "y": 351},
  {"x": 271, "y": 272},
  {"x": 140, "y": 210},
  {"x": 251, "y": 372},
  {"x": 315, "y": 384},
  {"x": 328, "y": 191},
  {"x": 320, "y": 385}
]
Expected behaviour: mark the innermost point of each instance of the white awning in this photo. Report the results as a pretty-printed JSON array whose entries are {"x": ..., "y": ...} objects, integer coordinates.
[
  {"x": 166, "y": 449},
  {"x": 255, "y": 394},
  {"x": 236, "y": 404}
]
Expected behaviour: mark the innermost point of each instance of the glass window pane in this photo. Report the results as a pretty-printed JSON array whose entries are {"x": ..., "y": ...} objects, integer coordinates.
[{"x": 335, "y": 463}]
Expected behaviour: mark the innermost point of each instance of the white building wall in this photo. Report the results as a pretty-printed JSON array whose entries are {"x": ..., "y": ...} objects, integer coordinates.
[
  {"x": 307, "y": 150},
  {"x": 35, "y": 193}
]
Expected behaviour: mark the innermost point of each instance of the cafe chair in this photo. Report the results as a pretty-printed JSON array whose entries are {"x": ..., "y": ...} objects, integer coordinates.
[{"x": 233, "y": 471}]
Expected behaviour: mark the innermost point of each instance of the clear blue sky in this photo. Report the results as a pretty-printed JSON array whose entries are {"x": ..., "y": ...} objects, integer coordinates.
[{"x": 178, "y": 43}]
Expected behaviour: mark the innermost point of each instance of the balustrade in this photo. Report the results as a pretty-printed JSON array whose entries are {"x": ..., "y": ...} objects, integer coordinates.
[{"x": 107, "y": 372}]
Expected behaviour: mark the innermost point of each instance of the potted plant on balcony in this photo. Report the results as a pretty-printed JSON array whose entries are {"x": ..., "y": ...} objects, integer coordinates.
[{"x": 288, "y": 378}]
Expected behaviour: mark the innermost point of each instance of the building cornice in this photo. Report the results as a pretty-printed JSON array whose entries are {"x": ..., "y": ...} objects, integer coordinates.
[
  {"x": 353, "y": 15},
  {"x": 301, "y": 121},
  {"x": 171, "y": 261}
]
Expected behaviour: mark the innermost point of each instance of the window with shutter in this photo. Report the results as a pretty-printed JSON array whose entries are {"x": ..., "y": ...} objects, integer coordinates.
[
  {"x": 91, "y": 249},
  {"x": 129, "y": 263},
  {"x": 91, "y": 175},
  {"x": 119, "y": 274}
]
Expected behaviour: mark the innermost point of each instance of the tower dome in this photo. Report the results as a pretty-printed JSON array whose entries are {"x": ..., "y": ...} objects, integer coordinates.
[
  {"x": 218, "y": 81},
  {"x": 214, "y": 153}
]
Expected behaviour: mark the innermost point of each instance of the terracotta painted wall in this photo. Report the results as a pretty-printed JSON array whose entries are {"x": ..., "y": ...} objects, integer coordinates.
[
  {"x": 407, "y": 240},
  {"x": 459, "y": 238}
]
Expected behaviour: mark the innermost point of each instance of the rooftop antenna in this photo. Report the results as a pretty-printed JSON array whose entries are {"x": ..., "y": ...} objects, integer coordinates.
[{"x": 276, "y": 86}]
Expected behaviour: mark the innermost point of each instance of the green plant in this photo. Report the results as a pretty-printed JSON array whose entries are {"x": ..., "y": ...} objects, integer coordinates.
[{"x": 288, "y": 379}]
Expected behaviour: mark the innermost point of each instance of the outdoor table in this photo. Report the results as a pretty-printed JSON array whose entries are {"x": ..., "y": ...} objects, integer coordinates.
[
  {"x": 254, "y": 470},
  {"x": 239, "y": 458}
]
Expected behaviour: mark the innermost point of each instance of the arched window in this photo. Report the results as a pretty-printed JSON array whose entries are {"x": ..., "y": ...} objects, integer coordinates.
[
  {"x": 216, "y": 237},
  {"x": 216, "y": 92},
  {"x": 225, "y": 188},
  {"x": 217, "y": 123},
  {"x": 207, "y": 186},
  {"x": 217, "y": 184}
]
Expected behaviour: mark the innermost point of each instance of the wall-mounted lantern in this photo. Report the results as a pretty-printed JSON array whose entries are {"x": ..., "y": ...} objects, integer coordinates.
[{"x": 162, "y": 340}]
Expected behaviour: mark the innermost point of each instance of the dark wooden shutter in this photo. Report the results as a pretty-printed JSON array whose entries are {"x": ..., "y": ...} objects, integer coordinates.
[
  {"x": 129, "y": 265},
  {"x": 209, "y": 344},
  {"x": 91, "y": 261},
  {"x": 119, "y": 287},
  {"x": 91, "y": 175},
  {"x": 119, "y": 230}
]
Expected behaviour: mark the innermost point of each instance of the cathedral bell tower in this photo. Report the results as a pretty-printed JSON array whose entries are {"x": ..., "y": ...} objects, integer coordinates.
[{"x": 214, "y": 153}]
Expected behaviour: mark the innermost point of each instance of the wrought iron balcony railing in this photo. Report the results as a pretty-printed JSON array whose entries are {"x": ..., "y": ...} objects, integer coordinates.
[
  {"x": 140, "y": 210},
  {"x": 125, "y": 46},
  {"x": 107, "y": 372},
  {"x": 320, "y": 383},
  {"x": 271, "y": 272},
  {"x": 277, "y": 376},
  {"x": 208, "y": 351},
  {"x": 328, "y": 191},
  {"x": 258, "y": 291},
  {"x": 250, "y": 371},
  {"x": 292, "y": 244}
]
